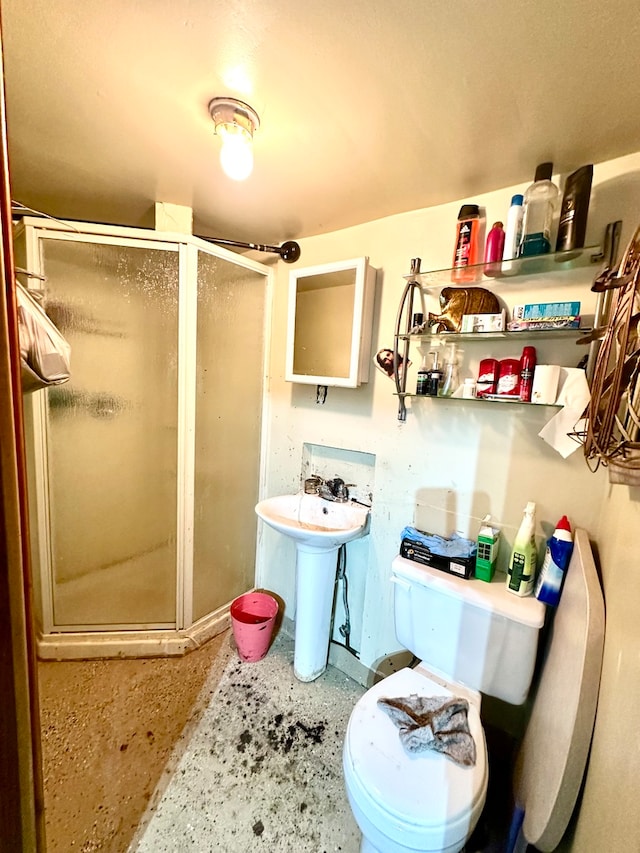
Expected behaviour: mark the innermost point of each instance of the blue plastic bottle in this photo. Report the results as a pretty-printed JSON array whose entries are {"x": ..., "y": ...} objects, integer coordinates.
[{"x": 555, "y": 565}]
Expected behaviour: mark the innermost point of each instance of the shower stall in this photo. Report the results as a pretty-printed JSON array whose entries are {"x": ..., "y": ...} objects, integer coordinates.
[{"x": 144, "y": 469}]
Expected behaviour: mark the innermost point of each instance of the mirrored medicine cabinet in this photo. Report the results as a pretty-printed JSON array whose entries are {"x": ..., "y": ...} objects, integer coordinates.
[{"x": 329, "y": 323}]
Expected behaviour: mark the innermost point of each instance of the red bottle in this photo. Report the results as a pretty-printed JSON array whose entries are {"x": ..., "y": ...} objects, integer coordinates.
[
  {"x": 487, "y": 377},
  {"x": 494, "y": 249},
  {"x": 509, "y": 378},
  {"x": 527, "y": 369}
]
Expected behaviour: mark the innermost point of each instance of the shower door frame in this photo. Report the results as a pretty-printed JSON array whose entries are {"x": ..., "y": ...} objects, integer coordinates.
[{"x": 154, "y": 639}]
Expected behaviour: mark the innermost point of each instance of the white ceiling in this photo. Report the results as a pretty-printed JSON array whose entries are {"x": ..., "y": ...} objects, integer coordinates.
[{"x": 368, "y": 107}]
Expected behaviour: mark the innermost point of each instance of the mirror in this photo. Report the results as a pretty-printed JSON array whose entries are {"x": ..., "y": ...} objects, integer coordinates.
[{"x": 329, "y": 325}]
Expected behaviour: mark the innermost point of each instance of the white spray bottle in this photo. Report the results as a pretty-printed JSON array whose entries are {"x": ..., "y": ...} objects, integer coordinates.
[{"x": 521, "y": 574}]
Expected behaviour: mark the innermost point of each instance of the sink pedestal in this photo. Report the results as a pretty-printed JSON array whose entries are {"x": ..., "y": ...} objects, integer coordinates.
[
  {"x": 318, "y": 528},
  {"x": 315, "y": 587}
]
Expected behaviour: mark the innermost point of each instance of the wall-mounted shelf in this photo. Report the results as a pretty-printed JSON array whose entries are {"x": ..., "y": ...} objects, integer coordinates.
[
  {"x": 492, "y": 399},
  {"x": 531, "y": 335},
  {"x": 533, "y": 265},
  {"x": 549, "y": 270}
]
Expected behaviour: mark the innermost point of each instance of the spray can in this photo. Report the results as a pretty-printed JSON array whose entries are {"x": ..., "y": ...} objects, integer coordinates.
[
  {"x": 556, "y": 562},
  {"x": 513, "y": 231},
  {"x": 574, "y": 209},
  {"x": 527, "y": 369},
  {"x": 522, "y": 563},
  {"x": 465, "y": 253}
]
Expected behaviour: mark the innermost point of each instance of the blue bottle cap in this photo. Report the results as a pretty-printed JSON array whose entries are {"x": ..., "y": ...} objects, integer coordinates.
[{"x": 517, "y": 199}]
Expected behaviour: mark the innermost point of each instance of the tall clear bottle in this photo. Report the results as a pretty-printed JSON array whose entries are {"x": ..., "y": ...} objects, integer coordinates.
[{"x": 541, "y": 200}]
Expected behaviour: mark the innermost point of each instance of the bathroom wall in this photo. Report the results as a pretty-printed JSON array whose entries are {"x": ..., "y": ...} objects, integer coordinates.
[{"x": 451, "y": 462}]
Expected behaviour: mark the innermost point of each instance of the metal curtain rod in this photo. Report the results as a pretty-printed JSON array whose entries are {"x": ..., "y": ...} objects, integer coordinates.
[{"x": 289, "y": 251}]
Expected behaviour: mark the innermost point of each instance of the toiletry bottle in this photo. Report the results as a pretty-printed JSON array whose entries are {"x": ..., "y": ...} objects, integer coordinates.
[
  {"x": 540, "y": 203},
  {"x": 423, "y": 378},
  {"x": 434, "y": 377},
  {"x": 450, "y": 377},
  {"x": 487, "y": 377},
  {"x": 508, "y": 377},
  {"x": 522, "y": 564},
  {"x": 527, "y": 369},
  {"x": 513, "y": 231},
  {"x": 572, "y": 226},
  {"x": 487, "y": 553},
  {"x": 465, "y": 253},
  {"x": 555, "y": 564},
  {"x": 469, "y": 388},
  {"x": 494, "y": 247}
]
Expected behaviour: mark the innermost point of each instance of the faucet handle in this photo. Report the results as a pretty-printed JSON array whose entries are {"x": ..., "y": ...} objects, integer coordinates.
[{"x": 312, "y": 484}]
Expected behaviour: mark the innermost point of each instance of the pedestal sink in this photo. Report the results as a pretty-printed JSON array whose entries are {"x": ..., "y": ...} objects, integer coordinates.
[{"x": 318, "y": 527}]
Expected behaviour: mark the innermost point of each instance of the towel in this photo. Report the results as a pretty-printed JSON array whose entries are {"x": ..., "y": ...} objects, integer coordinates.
[
  {"x": 573, "y": 397},
  {"x": 433, "y": 722}
]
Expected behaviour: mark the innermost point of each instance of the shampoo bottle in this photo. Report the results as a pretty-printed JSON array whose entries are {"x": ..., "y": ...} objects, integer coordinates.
[
  {"x": 540, "y": 203},
  {"x": 556, "y": 562},
  {"x": 465, "y": 253},
  {"x": 522, "y": 563}
]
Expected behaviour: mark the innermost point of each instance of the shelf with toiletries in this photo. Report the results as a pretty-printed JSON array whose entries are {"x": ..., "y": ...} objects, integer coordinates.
[
  {"x": 491, "y": 398},
  {"x": 528, "y": 334},
  {"x": 565, "y": 276},
  {"x": 550, "y": 263}
]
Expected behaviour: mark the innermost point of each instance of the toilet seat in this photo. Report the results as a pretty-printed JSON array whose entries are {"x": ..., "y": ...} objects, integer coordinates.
[{"x": 424, "y": 802}]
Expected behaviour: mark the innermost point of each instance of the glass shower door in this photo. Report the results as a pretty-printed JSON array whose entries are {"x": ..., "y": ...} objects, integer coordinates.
[
  {"x": 228, "y": 420},
  {"x": 112, "y": 435}
]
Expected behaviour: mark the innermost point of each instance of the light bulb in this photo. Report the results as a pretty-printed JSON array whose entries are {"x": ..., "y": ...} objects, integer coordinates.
[{"x": 236, "y": 154}]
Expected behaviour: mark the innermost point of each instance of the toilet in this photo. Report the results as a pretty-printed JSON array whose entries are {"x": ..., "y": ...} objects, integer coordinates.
[{"x": 471, "y": 637}]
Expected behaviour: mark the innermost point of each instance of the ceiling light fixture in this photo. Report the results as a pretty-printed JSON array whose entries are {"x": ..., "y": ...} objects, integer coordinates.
[{"x": 235, "y": 123}]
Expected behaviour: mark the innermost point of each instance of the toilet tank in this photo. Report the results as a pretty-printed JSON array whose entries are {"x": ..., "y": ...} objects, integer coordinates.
[{"x": 471, "y": 631}]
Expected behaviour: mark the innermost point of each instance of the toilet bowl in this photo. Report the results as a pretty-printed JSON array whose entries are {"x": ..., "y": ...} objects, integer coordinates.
[
  {"x": 403, "y": 802},
  {"x": 465, "y": 632}
]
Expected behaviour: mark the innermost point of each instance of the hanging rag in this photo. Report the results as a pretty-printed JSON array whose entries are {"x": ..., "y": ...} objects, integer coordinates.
[{"x": 433, "y": 723}]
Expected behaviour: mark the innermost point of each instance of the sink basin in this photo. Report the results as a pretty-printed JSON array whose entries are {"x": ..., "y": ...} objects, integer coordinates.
[{"x": 312, "y": 521}]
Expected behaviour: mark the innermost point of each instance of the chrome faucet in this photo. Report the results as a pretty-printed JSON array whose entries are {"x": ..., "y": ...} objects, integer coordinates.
[{"x": 334, "y": 490}]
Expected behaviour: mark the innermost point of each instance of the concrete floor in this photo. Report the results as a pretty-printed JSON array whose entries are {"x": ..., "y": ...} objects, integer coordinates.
[
  {"x": 109, "y": 729},
  {"x": 263, "y": 768},
  {"x": 199, "y": 753},
  {"x": 206, "y": 753}
]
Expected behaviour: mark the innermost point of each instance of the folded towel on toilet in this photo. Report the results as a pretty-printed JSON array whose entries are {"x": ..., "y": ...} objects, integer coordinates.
[{"x": 433, "y": 722}]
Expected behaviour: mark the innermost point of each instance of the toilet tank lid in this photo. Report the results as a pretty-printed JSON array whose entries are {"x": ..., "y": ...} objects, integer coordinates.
[{"x": 493, "y": 596}]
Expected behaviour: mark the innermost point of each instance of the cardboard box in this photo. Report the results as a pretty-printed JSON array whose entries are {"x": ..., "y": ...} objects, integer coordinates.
[
  {"x": 483, "y": 322},
  {"x": 462, "y": 567},
  {"x": 545, "y": 310},
  {"x": 544, "y": 325}
]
